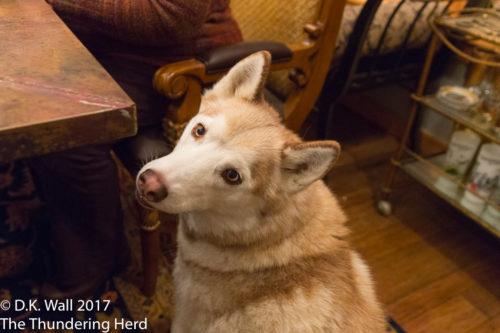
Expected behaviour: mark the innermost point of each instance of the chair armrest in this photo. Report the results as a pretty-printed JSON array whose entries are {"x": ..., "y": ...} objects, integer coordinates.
[
  {"x": 221, "y": 59},
  {"x": 182, "y": 82},
  {"x": 174, "y": 80}
]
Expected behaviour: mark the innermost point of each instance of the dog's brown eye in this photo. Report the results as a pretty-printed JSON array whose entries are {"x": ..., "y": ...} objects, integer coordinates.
[
  {"x": 231, "y": 176},
  {"x": 198, "y": 131}
]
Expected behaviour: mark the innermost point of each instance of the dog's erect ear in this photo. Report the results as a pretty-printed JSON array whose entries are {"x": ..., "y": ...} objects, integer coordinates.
[
  {"x": 246, "y": 79},
  {"x": 304, "y": 163}
]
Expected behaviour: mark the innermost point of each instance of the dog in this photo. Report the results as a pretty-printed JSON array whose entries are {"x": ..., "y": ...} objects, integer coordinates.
[{"x": 261, "y": 239}]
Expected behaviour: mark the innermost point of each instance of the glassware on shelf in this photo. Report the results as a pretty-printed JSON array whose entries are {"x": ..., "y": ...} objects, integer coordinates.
[
  {"x": 491, "y": 109},
  {"x": 487, "y": 115},
  {"x": 483, "y": 178},
  {"x": 491, "y": 214},
  {"x": 461, "y": 150}
]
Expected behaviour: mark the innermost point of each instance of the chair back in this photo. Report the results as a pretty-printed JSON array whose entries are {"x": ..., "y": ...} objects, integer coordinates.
[
  {"x": 311, "y": 23},
  {"x": 280, "y": 21}
]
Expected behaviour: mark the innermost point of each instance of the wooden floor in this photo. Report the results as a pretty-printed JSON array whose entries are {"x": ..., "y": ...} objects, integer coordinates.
[{"x": 436, "y": 271}]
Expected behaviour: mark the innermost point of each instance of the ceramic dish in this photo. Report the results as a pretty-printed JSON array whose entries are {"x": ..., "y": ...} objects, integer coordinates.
[{"x": 457, "y": 98}]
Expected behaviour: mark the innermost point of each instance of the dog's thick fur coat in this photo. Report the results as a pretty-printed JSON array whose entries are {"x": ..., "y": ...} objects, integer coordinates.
[{"x": 265, "y": 252}]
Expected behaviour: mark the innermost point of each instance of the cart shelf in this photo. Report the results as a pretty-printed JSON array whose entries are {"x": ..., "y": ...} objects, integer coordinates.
[
  {"x": 427, "y": 171},
  {"x": 461, "y": 117}
]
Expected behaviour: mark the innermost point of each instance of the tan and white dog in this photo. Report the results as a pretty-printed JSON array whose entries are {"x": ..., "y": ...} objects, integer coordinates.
[{"x": 261, "y": 239}]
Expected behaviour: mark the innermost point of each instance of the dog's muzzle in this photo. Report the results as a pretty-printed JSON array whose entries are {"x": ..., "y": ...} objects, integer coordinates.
[{"x": 151, "y": 187}]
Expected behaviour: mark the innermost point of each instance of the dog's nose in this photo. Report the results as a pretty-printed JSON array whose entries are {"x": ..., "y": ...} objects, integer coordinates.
[{"x": 151, "y": 186}]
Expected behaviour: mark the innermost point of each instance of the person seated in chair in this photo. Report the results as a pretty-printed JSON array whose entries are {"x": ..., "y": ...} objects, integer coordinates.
[{"x": 131, "y": 39}]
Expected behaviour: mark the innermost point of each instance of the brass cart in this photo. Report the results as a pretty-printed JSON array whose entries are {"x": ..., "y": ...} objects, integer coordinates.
[{"x": 473, "y": 29}]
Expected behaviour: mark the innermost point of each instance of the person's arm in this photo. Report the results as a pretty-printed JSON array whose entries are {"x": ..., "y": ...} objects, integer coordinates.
[{"x": 145, "y": 22}]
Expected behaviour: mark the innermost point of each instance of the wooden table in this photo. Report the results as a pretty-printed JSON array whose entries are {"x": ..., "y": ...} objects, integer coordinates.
[{"x": 53, "y": 94}]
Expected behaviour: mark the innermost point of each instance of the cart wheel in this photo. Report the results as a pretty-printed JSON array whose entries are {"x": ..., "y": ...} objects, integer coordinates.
[{"x": 384, "y": 208}]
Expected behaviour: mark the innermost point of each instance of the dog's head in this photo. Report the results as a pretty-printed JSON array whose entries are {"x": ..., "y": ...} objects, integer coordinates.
[{"x": 235, "y": 156}]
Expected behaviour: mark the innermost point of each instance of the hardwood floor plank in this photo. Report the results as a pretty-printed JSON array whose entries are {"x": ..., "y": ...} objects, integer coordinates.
[
  {"x": 409, "y": 269},
  {"x": 491, "y": 326},
  {"x": 430, "y": 296},
  {"x": 456, "y": 315},
  {"x": 486, "y": 277}
]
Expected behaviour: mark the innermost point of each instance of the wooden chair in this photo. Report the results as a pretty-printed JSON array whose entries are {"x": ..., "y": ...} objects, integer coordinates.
[
  {"x": 300, "y": 34},
  {"x": 304, "y": 34}
]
